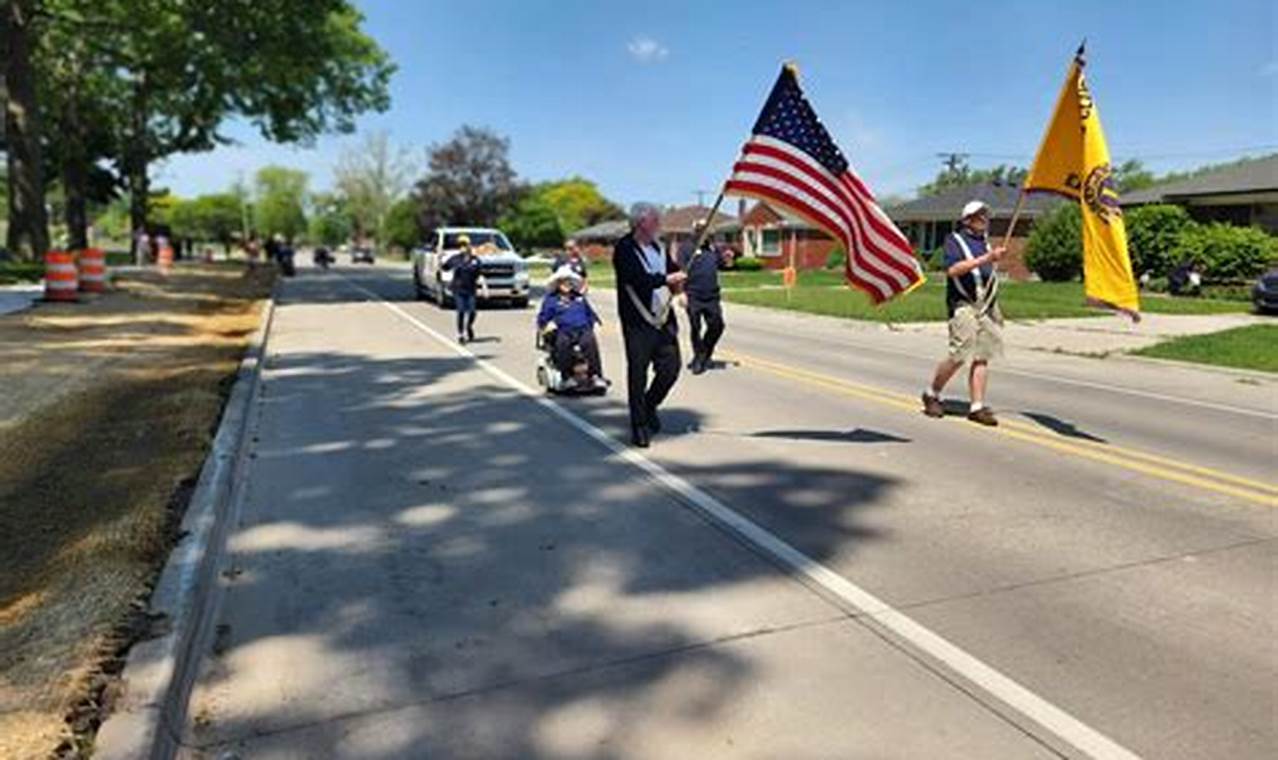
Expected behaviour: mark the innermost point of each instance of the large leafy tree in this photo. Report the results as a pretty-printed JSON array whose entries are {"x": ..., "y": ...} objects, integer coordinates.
[
  {"x": 371, "y": 179},
  {"x": 962, "y": 175},
  {"x": 166, "y": 75},
  {"x": 576, "y": 203},
  {"x": 533, "y": 223},
  {"x": 469, "y": 180},
  {"x": 280, "y": 208},
  {"x": 330, "y": 222}
]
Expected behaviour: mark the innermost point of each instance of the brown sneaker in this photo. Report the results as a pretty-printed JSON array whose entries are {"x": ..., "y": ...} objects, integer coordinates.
[
  {"x": 983, "y": 416},
  {"x": 932, "y": 406}
]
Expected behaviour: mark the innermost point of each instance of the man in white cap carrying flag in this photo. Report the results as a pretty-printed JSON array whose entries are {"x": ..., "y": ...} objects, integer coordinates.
[{"x": 975, "y": 326}]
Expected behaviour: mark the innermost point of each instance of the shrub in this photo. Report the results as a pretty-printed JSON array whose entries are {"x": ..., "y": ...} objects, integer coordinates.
[
  {"x": 748, "y": 264},
  {"x": 1055, "y": 248},
  {"x": 1226, "y": 252},
  {"x": 837, "y": 259},
  {"x": 1152, "y": 236}
]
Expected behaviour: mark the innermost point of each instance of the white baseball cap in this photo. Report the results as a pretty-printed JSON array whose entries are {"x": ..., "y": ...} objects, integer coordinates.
[
  {"x": 974, "y": 207},
  {"x": 564, "y": 273}
]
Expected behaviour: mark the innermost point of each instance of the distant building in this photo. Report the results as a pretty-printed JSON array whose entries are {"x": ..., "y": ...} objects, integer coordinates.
[
  {"x": 927, "y": 220},
  {"x": 1243, "y": 194},
  {"x": 598, "y": 240}
]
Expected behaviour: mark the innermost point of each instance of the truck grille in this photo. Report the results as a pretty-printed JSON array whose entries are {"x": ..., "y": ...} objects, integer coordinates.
[{"x": 498, "y": 270}]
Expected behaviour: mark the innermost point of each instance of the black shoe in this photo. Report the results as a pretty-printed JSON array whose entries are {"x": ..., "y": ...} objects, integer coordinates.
[
  {"x": 699, "y": 366},
  {"x": 461, "y": 339},
  {"x": 639, "y": 437},
  {"x": 470, "y": 334},
  {"x": 654, "y": 422}
]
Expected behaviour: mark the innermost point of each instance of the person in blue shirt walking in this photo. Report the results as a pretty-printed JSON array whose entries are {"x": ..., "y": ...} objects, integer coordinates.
[
  {"x": 567, "y": 312},
  {"x": 975, "y": 326},
  {"x": 468, "y": 279}
]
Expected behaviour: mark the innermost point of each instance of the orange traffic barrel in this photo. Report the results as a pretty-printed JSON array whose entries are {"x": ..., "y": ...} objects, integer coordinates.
[
  {"x": 93, "y": 270},
  {"x": 164, "y": 258},
  {"x": 60, "y": 278}
]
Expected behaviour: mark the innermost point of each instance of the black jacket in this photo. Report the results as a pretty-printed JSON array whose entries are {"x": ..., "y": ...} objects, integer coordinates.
[
  {"x": 627, "y": 263},
  {"x": 466, "y": 272}
]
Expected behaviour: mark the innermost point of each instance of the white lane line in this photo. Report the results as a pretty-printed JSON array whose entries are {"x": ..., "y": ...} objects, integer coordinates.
[
  {"x": 1060, "y": 723},
  {"x": 1034, "y": 375}
]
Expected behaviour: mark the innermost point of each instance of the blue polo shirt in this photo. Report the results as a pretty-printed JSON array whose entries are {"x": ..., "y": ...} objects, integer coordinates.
[{"x": 960, "y": 290}]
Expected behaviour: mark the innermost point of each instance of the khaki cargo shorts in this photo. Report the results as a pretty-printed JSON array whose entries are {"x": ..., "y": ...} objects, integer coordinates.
[{"x": 975, "y": 337}]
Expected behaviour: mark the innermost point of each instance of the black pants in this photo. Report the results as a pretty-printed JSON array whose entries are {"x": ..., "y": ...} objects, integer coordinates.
[
  {"x": 646, "y": 346},
  {"x": 564, "y": 342},
  {"x": 466, "y": 306},
  {"x": 707, "y": 315}
]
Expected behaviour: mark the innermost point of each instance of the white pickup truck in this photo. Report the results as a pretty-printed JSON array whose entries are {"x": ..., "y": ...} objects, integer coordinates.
[{"x": 505, "y": 273}]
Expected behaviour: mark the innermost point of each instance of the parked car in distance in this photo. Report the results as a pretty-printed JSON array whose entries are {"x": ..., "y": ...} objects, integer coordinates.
[
  {"x": 362, "y": 254},
  {"x": 505, "y": 272},
  {"x": 1264, "y": 294}
]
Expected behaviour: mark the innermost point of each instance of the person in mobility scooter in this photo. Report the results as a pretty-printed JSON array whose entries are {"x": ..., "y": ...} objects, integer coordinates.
[{"x": 570, "y": 362}]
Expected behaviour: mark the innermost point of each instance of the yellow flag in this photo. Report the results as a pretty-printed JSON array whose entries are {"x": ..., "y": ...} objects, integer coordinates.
[{"x": 1074, "y": 161}]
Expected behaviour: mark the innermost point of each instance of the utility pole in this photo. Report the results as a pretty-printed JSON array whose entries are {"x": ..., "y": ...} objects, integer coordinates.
[
  {"x": 701, "y": 196},
  {"x": 953, "y": 161}
]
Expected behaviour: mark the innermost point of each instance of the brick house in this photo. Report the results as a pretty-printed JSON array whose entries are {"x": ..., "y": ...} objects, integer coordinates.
[
  {"x": 772, "y": 236},
  {"x": 927, "y": 220},
  {"x": 597, "y": 241}
]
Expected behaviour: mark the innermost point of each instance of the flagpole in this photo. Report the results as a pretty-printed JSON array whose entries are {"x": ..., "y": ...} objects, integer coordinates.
[
  {"x": 705, "y": 231},
  {"x": 1016, "y": 215}
]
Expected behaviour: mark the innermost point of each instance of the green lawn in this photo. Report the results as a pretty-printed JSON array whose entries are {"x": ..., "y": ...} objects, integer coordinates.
[
  {"x": 823, "y": 292},
  {"x": 1250, "y": 347}
]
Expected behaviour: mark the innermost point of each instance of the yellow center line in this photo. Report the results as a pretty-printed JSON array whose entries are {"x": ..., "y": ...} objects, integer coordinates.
[{"x": 1153, "y": 464}]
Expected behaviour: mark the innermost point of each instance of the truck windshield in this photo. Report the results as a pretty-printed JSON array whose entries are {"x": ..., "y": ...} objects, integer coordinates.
[{"x": 479, "y": 241}]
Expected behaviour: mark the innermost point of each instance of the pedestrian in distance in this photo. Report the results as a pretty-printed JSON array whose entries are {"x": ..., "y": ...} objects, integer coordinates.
[
  {"x": 646, "y": 280},
  {"x": 468, "y": 280},
  {"x": 701, "y": 260},
  {"x": 975, "y": 321},
  {"x": 574, "y": 260}
]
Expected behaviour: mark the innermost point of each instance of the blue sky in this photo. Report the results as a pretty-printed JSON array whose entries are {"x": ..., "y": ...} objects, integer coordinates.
[{"x": 653, "y": 99}]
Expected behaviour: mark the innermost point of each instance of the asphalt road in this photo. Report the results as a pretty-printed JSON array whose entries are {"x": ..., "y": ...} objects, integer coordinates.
[{"x": 429, "y": 562}]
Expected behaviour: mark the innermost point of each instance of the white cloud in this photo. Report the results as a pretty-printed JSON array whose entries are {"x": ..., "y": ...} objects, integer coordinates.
[{"x": 647, "y": 50}]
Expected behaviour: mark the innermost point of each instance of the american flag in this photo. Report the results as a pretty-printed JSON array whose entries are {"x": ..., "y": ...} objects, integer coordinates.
[{"x": 791, "y": 162}]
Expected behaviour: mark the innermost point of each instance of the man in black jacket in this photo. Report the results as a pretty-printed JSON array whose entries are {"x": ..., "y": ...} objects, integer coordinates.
[{"x": 645, "y": 277}]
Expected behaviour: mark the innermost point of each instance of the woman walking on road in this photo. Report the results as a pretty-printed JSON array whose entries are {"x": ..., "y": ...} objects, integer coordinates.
[{"x": 467, "y": 280}]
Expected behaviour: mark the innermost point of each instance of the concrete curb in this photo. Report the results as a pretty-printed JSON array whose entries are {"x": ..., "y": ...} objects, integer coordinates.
[{"x": 158, "y": 676}]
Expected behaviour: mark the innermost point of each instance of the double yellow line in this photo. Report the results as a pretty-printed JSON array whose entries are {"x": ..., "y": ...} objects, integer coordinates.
[{"x": 1146, "y": 463}]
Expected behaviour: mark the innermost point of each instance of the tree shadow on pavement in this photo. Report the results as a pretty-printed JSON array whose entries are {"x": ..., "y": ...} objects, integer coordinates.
[
  {"x": 858, "y": 435},
  {"x": 428, "y": 565}
]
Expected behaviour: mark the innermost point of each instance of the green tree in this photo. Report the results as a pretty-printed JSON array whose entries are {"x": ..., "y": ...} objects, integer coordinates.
[
  {"x": 577, "y": 203},
  {"x": 281, "y": 202},
  {"x": 1132, "y": 175},
  {"x": 400, "y": 229},
  {"x": 962, "y": 176},
  {"x": 469, "y": 181},
  {"x": 330, "y": 223},
  {"x": 533, "y": 223},
  {"x": 372, "y": 179},
  {"x": 28, "y": 233},
  {"x": 1055, "y": 247}
]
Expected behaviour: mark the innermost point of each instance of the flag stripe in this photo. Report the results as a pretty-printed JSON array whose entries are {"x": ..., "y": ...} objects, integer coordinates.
[
  {"x": 838, "y": 206},
  {"x": 842, "y": 200},
  {"x": 835, "y": 219},
  {"x": 816, "y": 213},
  {"x": 891, "y": 243}
]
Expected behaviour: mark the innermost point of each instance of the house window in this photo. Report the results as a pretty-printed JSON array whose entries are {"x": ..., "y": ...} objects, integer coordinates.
[{"x": 771, "y": 243}]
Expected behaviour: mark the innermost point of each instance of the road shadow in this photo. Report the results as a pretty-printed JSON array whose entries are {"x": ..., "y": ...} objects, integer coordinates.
[
  {"x": 1062, "y": 427},
  {"x": 859, "y": 435},
  {"x": 428, "y": 565}
]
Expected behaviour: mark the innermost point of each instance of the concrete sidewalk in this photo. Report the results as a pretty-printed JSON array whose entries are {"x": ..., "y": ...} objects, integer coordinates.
[{"x": 1102, "y": 335}]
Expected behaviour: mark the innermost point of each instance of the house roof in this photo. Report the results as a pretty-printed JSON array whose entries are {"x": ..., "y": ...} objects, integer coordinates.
[
  {"x": 681, "y": 219},
  {"x": 607, "y": 231},
  {"x": 1256, "y": 176},
  {"x": 947, "y": 205}
]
